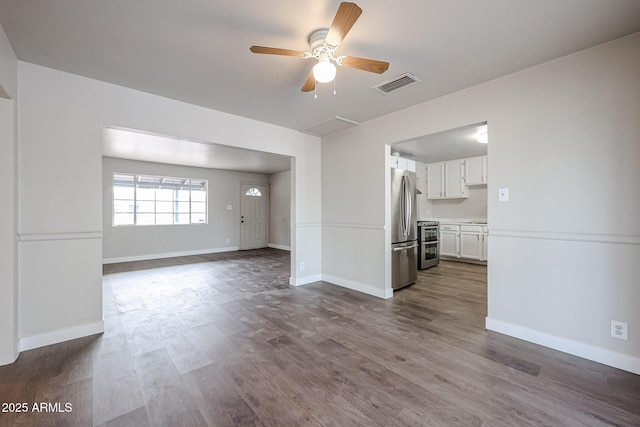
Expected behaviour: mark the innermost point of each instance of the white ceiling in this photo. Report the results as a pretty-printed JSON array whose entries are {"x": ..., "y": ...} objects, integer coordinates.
[
  {"x": 144, "y": 146},
  {"x": 198, "y": 51},
  {"x": 442, "y": 146}
]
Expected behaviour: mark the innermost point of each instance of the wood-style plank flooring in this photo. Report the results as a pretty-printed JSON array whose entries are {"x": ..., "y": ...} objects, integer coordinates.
[{"x": 223, "y": 340}]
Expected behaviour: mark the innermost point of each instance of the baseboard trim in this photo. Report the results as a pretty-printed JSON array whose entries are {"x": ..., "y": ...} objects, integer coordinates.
[
  {"x": 294, "y": 281},
  {"x": 596, "y": 354},
  {"x": 345, "y": 283},
  {"x": 357, "y": 286},
  {"x": 60, "y": 335},
  {"x": 168, "y": 255},
  {"x": 281, "y": 247}
]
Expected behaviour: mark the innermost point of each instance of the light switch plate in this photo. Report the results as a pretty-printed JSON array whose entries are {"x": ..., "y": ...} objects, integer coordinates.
[{"x": 503, "y": 194}]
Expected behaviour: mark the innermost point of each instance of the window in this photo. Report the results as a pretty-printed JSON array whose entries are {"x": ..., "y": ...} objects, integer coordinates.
[
  {"x": 253, "y": 191},
  {"x": 158, "y": 200}
]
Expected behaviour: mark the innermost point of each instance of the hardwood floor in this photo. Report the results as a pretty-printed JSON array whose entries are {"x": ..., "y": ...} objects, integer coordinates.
[{"x": 223, "y": 340}]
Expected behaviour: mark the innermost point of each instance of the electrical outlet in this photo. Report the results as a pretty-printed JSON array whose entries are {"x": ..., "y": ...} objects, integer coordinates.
[
  {"x": 619, "y": 330},
  {"x": 302, "y": 266},
  {"x": 228, "y": 240}
]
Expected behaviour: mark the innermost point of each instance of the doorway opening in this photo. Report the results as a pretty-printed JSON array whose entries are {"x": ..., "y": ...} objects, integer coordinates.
[
  {"x": 452, "y": 175},
  {"x": 239, "y": 184}
]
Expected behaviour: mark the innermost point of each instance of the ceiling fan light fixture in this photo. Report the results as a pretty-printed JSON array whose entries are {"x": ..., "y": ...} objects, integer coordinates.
[
  {"x": 324, "y": 71},
  {"x": 323, "y": 43}
]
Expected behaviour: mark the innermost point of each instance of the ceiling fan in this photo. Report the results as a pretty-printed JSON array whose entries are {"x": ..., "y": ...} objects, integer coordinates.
[{"x": 322, "y": 46}]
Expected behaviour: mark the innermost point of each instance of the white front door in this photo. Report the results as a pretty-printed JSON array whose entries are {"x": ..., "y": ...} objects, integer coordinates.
[{"x": 253, "y": 216}]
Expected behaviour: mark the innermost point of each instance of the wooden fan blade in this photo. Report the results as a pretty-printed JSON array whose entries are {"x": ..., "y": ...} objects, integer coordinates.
[
  {"x": 347, "y": 15},
  {"x": 276, "y": 51},
  {"x": 371, "y": 65},
  {"x": 310, "y": 84}
]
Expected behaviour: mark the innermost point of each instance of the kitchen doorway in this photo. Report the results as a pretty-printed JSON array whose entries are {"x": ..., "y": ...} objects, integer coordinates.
[{"x": 452, "y": 178}]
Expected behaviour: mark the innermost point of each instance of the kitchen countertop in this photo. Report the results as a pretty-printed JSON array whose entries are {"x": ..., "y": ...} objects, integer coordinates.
[{"x": 463, "y": 221}]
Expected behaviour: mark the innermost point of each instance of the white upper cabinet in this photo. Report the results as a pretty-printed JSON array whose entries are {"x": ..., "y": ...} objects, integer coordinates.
[
  {"x": 406, "y": 164},
  {"x": 435, "y": 181},
  {"x": 475, "y": 170},
  {"x": 400, "y": 163},
  {"x": 449, "y": 180},
  {"x": 445, "y": 180},
  {"x": 454, "y": 180}
]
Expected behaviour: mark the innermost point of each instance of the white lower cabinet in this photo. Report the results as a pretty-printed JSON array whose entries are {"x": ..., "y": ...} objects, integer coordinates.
[
  {"x": 449, "y": 241},
  {"x": 471, "y": 242},
  {"x": 485, "y": 235},
  {"x": 463, "y": 241}
]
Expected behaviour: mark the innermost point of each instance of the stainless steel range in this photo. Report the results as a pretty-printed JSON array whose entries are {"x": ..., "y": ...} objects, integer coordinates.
[{"x": 428, "y": 244}]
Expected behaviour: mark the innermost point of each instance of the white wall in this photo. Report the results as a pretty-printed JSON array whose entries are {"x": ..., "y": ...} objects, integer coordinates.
[
  {"x": 565, "y": 249},
  {"x": 61, "y": 217},
  {"x": 135, "y": 243},
  {"x": 280, "y": 210},
  {"x": 9, "y": 195},
  {"x": 473, "y": 207},
  {"x": 8, "y": 68}
]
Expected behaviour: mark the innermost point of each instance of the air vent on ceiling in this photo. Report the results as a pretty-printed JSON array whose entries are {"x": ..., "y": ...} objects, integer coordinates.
[
  {"x": 330, "y": 125},
  {"x": 396, "y": 83}
]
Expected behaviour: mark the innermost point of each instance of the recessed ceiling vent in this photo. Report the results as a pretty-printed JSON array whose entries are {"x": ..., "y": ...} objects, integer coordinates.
[
  {"x": 330, "y": 125},
  {"x": 396, "y": 83}
]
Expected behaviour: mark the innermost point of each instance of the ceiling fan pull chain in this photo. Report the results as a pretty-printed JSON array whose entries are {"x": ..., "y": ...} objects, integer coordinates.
[
  {"x": 315, "y": 91},
  {"x": 334, "y": 86}
]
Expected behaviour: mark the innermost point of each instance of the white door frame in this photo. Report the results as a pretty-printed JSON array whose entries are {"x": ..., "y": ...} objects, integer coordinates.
[{"x": 266, "y": 196}]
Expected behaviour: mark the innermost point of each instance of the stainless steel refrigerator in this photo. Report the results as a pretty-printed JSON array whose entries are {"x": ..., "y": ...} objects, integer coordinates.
[{"x": 404, "y": 243}]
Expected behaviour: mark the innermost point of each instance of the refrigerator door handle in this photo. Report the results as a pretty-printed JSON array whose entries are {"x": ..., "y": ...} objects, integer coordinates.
[
  {"x": 404, "y": 248},
  {"x": 409, "y": 207},
  {"x": 403, "y": 204}
]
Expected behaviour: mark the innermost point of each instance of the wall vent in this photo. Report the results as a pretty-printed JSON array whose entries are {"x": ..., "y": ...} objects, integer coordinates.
[{"x": 396, "y": 83}]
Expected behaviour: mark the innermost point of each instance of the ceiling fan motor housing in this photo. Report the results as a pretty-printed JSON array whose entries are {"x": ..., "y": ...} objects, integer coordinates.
[{"x": 317, "y": 38}]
